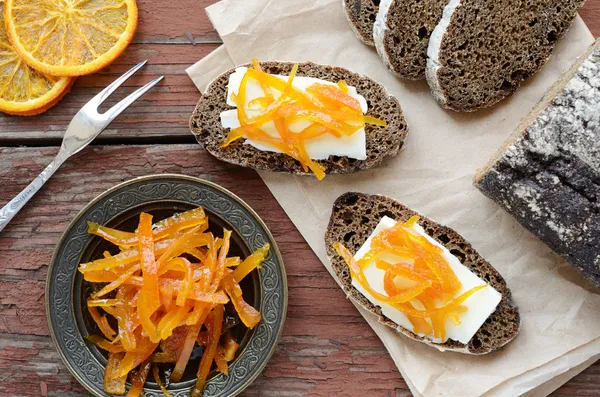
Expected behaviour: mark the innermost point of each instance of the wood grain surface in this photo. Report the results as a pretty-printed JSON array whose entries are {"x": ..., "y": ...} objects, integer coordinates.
[{"x": 327, "y": 348}]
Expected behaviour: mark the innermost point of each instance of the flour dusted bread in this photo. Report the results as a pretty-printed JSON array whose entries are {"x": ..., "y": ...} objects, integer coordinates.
[
  {"x": 381, "y": 142},
  {"x": 401, "y": 34},
  {"x": 547, "y": 174},
  {"x": 353, "y": 219},
  {"x": 361, "y": 17},
  {"x": 482, "y": 50}
]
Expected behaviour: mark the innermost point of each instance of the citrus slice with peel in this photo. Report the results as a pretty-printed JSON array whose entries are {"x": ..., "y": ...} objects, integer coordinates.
[
  {"x": 23, "y": 90},
  {"x": 70, "y": 37}
]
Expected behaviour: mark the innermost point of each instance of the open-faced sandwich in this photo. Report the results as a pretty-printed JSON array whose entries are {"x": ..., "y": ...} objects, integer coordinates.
[
  {"x": 421, "y": 278},
  {"x": 298, "y": 118}
]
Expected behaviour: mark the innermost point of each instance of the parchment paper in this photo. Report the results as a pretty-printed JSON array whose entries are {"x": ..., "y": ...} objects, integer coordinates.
[{"x": 433, "y": 174}]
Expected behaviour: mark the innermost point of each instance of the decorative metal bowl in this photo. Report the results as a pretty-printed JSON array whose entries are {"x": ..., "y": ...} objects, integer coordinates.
[{"x": 162, "y": 196}]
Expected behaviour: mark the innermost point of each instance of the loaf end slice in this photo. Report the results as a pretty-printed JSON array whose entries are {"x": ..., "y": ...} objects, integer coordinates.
[
  {"x": 479, "y": 53},
  {"x": 547, "y": 174},
  {"x": 401, "y": 34},
  {"x": 361, "y": 16},
  {"x": 381, "y": 141},
  {"x": 353, "y": 219}
]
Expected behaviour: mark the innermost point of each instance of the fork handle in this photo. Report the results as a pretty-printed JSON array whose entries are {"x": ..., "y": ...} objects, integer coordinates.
[{"x": 14, "y": 206}]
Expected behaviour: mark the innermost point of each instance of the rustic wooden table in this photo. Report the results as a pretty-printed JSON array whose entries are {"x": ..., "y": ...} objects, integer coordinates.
[{"x": 327, "y": 349}]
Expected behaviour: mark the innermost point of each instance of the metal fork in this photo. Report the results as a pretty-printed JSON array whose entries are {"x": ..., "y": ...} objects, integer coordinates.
[{"x": 83, "y": 129}]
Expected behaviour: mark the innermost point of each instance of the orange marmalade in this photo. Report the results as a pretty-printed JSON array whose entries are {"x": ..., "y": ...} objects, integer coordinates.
[
  {"x": 328, "y": 108},
  {"x": 430, "y": 296}
]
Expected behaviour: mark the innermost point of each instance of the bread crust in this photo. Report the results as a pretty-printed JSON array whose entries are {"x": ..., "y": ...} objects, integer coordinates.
[
  {"x": 353, "y": 219},
  {"x": 381, "y": 142}
]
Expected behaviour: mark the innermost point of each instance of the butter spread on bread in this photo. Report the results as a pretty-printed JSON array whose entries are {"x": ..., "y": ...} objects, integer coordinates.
[
  {"x": 400, "y": 259},
  {"x": 380, "y": 141},
  {"x": 354, "y": 218},
  {"x": 319, "y": 148}
]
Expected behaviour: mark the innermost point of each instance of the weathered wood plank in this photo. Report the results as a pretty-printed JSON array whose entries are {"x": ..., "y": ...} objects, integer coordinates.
[
  {"x": 327, "y": 349},
  {"x": 162, "y": 113},
  {"x": 168, "y": 22},
  {"x": 30, "y": 364},
  {"x": 591, "y": 15},
  {"x": 327, "y": 346}
]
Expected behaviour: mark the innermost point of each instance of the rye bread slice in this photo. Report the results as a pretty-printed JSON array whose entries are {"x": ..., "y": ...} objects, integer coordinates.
[
  {"x": 482, "y": 50},
  {"x": 381, "y": 142},
  {"x": 353, "y": 219},
  {"x": 547, "y": 174},
  {"x": 401, "y": 34},
  {"x": 361, "y": 16}
]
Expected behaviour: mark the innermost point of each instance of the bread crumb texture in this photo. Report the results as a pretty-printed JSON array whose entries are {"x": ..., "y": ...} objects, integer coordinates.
[
  {"x": 490, "y": 47},
  {"x": 409, "y": 26},
  {"x": 361, "y": 15},
  {"x": 549, "y": 177}
]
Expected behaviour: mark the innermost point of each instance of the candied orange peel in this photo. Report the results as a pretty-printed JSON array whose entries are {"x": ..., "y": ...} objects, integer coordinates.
[
  {"x": 163, "y": 295},
  {"x": 328, "y": 108},
  {"x": 423, "y": 286}
]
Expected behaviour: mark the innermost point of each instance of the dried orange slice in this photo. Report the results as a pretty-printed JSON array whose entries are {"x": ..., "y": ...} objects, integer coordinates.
[
  {"x": 70, "y": 37},
  {"x": 23, "y": 90}
]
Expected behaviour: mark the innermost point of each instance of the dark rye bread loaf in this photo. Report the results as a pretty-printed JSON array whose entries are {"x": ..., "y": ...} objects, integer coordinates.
[
  {"x": 381, "y": 142},
  {"x": 401, "y": 34},
  {"x": 361, "y": 16},
  {"x": 355, "y": 216},
  {"x": 547, "y": 174},
  {"x": 482, "y": 50}
]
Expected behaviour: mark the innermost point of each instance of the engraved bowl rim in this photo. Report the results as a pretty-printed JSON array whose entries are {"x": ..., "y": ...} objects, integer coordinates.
[{"x": 167, "y": 176}]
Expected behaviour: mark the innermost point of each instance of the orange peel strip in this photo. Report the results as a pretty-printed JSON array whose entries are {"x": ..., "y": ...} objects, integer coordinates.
[
  {"x": 215, "y": 327},
  {"x": 432, "y": 282},
  {"x": 324, "y": 105},
  {"x": 163, "y": 298},
  {"x": 102, "y": 323}
]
